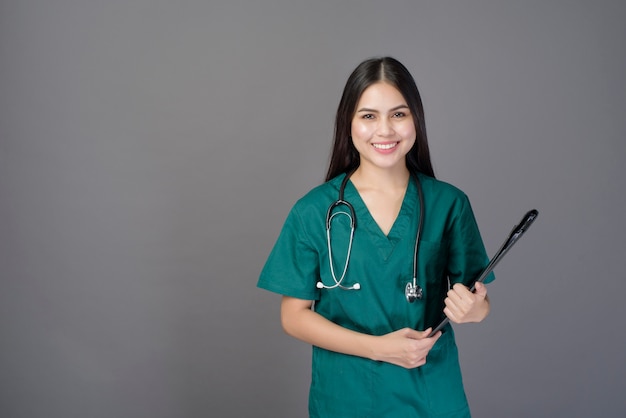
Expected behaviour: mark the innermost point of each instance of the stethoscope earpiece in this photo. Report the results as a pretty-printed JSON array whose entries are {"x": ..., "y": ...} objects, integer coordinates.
[{"x": 356, "y": 286}]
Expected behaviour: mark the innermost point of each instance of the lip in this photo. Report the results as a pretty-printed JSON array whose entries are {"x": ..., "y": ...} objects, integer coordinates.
[{"x": 388, "y": 147}]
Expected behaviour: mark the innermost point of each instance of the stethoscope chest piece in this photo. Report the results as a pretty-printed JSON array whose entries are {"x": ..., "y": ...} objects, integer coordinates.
[{"x": 413, "y": 292}]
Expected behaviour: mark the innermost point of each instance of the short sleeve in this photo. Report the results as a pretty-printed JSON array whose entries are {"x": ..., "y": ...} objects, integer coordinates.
[
  {"x": 292, "y": 268},
  {"x": 467, "y": 255}
]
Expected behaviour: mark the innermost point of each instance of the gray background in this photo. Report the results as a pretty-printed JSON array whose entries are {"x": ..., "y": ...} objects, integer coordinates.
[{"x": 150, "y": 151}]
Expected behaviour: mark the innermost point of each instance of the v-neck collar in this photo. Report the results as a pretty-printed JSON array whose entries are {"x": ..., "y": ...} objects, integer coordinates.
[{"x": 400, "y": 228}]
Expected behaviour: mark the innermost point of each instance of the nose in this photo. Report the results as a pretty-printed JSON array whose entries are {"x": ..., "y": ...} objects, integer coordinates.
[{"x": 385, "y": 128}]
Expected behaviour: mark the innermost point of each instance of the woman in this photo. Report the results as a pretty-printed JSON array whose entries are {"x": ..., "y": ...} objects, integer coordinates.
[{"x": 347, "y": 292}]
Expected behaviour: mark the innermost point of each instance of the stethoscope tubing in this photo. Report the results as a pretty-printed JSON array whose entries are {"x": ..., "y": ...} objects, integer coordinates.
[
  {"x": 329, "y": 217},
  {"x": 413, "y": 291},
  {"x": 338, "y": 282},
  {"x": 515, "y": 235}
]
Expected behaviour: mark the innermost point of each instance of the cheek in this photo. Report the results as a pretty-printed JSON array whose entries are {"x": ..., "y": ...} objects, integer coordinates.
[
  {"x": 407, "y": 131},
  {"x": 360, "y": 129}
]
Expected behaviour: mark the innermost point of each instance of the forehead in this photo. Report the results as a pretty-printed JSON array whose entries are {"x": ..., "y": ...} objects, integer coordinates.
[{"x": 380, "y": 94}]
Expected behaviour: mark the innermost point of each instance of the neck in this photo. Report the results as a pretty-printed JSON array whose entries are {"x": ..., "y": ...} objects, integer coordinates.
[{"x": 379, "y": 178}]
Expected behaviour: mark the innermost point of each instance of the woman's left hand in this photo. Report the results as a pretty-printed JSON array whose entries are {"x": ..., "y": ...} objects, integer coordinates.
[{"x": 465, "y": 306}]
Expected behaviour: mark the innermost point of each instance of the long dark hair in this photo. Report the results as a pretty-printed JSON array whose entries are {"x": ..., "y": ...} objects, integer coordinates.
[{"x": 344, "y": 156}]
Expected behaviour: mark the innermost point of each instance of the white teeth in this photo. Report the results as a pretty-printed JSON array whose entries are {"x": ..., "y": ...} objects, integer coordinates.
[{"x": 385, "y": 146}]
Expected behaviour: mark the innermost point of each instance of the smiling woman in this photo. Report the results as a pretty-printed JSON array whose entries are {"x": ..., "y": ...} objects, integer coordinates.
[{"x": 369, "y": 337}]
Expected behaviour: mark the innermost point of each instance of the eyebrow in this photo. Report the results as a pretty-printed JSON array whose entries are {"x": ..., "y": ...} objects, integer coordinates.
[{"x": 365, "y": 109}]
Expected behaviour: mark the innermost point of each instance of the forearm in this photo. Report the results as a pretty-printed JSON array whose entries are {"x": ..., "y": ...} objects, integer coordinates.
[{"x": 299, "y": 321}]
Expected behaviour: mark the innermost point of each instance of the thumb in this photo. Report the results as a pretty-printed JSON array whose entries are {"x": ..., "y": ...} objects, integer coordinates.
[
  {"x": 481, "y": 289},
  {"x": 423, "y": 334},
  {"x": 414, "y": 334}
]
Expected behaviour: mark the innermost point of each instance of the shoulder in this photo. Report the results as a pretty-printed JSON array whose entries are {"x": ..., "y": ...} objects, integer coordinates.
[
  {"x": 309, "y": 211},
  {"x": 441, "y": 189},
  {"x": 446, "y": 200},
  {"x": 320, "y": 196}
]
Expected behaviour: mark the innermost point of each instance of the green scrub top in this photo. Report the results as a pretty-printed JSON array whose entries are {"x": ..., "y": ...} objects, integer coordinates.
[{"x": 451, "y": 251}]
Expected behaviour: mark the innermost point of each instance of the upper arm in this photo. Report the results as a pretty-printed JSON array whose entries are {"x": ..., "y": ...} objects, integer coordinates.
[
  {"x": 293, "y": 312},
  {"x": 467, "y": 255},
  {"x": 290, "y": 307},
  {"x": 292, "y": 267}
]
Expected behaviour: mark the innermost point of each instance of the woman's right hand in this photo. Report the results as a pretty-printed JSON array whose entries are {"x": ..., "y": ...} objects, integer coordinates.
[{"x": 406, "y": 347}]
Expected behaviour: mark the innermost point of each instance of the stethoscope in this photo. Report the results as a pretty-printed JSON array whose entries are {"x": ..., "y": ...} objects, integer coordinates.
[{"x": 412, "y": 291}]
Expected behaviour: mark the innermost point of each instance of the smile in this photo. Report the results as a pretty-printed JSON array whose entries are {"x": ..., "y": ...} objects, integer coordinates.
[{"x": 385, "y": 146}]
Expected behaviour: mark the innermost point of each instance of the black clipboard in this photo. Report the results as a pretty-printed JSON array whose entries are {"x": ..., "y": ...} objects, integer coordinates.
[{"x": 515, "y": 234}]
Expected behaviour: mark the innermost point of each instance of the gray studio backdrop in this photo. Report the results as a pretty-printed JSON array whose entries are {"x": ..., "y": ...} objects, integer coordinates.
[{"x": 150, "y": 151}]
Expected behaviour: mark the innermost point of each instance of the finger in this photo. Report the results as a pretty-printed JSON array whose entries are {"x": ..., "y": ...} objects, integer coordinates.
[
  {"x": 424, "y": 334},
  {"x": 452, "y": 316},
  {"x": 453, "y": 295},
  {"x": 436, "y": 336},
  {"x": 460, "y": 294},
  {"x": 454, "y": 299},
  {"x": 427, "y": 332},
  {"x": 462, "y": 291},
  {"x": 455, "y": 304}
]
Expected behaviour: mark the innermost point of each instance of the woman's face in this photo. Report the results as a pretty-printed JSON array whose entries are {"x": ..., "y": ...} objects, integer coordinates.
[{"x": 383, "y": 131}]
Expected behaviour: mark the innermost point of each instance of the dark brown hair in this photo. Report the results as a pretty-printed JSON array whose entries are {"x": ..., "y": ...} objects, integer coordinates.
[{"x": 344, "y": 156}]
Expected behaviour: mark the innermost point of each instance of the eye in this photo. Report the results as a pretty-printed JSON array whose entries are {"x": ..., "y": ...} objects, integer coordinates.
[
  {"x": 399, "y": 115},
  {"x": 367, "y": 116}
]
